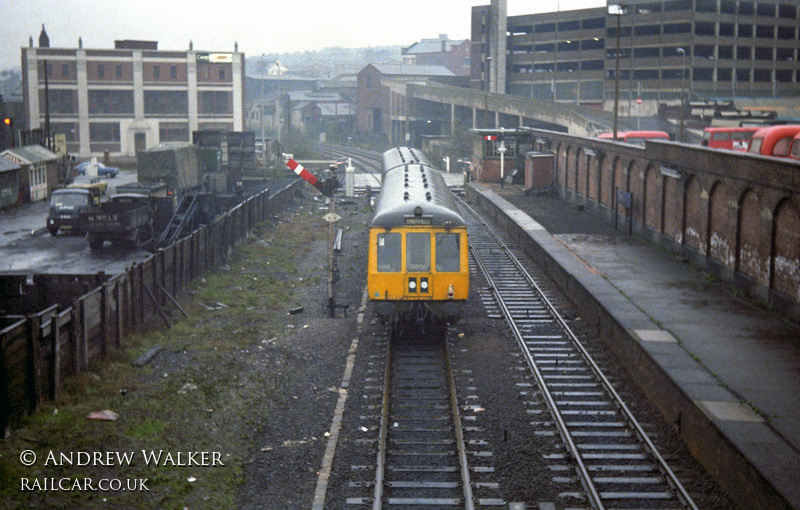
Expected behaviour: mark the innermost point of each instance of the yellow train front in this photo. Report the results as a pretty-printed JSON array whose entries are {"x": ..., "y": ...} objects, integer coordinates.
[{"x": 418, "y": 262}]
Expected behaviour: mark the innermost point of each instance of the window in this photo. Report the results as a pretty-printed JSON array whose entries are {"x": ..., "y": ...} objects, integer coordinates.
[
  {"x": 745, "y": 30},
  {"x": 652, "y": 52},
  {"x": 724, "y": 74},
  {"x": 763, "y": 53},
  {"x": 173, "y": 132},
  {"x": 104, "y": 131},
  {"x": 706, "y": 6},
  {"x": 173, "y": 72},
  {"x": 215, "y": 102},
  {"x": 569, "y": 25},
  {"x": 60, "y": 101},
  {"x": 545, "y": 27},
  {"x": 786, "y": 33},
  {"x": 101, "y": 71},
  {"x": 678, "y": 5},
  {"x": 703, "y": 74},
  {"x": 166, "y": 102},
  {"x": 110, "y": 101},
  {"x": 647, "y": 30},
  {"x": 762, "y": 75},
  {"x": 787, "y": 11},
  {"x": 118, "y": 71},
  {"x": 646, "y": 74},
  {"x": 702, "y": 28},
  {"x": 418, "y": 252},
  {"x": 703, "y": 51},
  {"x": 593, "y": 44},
  {"x": 784, "y": 54},
  {"x": 156, "y": 73},
  {"x": 744, "y": 53},
  {"x": 677, "y": 28},
  {"x": 765, "y": 32},
  {"x": 65, "y": 70},
  {"x": 593, "y": 23},
  {"x": 388, "y": 253},
  {"x": 726, "y": 30},
  {"x": 765, "y": 9},
  {"x": 725, "y": 52},
  {"x": 448, "y": 254},
  {"x": 746, "y": 8}
]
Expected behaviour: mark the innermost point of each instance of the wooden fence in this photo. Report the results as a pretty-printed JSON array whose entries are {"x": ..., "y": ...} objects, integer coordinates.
[{"x": 38, "y": 349}]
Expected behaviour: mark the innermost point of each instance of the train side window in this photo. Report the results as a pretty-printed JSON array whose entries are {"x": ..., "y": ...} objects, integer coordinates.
[
  {"x": 448, "y": 256},
  {"x": 418, "y": 251},
  {"x": 389, "y": 253}
]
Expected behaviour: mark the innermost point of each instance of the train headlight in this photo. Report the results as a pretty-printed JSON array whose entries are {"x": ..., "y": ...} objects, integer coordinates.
[
  {"x": 412, "y": 284},
  {"x": 423, "y": 285},
  {"x": 451, "y": 292}
]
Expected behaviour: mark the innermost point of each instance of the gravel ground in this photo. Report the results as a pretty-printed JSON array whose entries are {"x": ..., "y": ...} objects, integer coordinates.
[{"x": 267, "y": 399}]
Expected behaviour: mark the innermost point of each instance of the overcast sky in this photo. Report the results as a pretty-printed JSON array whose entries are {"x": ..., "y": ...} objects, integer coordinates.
[{"x": 259, "y": 26}]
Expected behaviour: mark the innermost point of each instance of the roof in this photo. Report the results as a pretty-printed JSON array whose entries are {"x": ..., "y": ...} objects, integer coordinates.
[
  {"x": 432, "y": 46},
  {"x": 6, "y": 165},
  {"x": 412, "y": 70},
  {"x": 29, "y": 154}
]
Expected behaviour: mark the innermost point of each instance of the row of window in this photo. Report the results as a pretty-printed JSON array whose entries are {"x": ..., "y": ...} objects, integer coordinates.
[
  {"x": 708, "y": 29},
  {"x": 707, "y": 74},
  {"x": 110, "y": 131},
  {"x": 156, "y": 102},
  {"x": 124, "y": 72},
  {"x": 418, "y": 252}
]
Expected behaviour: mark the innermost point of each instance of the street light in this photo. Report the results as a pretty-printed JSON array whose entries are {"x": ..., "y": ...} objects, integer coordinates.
[
  {"x": 618, "y": 10},
  {"x": 683, "y": 92}
]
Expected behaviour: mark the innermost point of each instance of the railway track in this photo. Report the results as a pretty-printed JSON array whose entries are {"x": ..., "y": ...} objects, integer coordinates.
[
  {"x": 423, "y": 454},
  {"x": 617, "y": 464}
]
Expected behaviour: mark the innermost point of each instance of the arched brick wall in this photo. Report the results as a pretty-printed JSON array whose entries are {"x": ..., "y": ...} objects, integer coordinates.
[
  {"x": 786, "y": 253},
  {"x": 694, "y": 235},
  {"x": 721, "y": 226}
]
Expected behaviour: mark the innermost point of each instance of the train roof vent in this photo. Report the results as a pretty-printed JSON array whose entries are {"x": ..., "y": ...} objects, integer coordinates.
[
  {"x": 428, "y": 195},
  {"x": 405, "y": 195}
]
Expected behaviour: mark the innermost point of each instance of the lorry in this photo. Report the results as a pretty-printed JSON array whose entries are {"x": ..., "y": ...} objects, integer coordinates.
[
  {"x": 126, "y": 220},
  {"x": 69, "y": 206}
]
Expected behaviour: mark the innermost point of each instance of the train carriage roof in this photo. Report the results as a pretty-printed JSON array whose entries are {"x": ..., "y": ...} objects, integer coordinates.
[
  {"x": 410, "y": 186},
  {"x": 400, "y": 156}
]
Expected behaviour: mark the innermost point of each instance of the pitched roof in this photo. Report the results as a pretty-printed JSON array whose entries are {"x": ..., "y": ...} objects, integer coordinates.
[
  {"x": 30, "y": 154},
  {"x": 412, "y": 70},
  {"x": 6, "y": 165}
]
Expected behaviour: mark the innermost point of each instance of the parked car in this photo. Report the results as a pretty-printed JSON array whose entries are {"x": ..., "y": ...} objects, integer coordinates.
[{"x": 102, "y": 170}]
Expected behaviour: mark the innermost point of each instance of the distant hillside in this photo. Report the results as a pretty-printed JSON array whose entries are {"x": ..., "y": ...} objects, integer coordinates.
[
  {"x": 11, "y": 84},
  {"x": 338, "y": 60}
]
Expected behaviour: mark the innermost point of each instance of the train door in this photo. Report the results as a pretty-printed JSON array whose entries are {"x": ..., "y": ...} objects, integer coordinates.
[{"x": 418, "y": 265}]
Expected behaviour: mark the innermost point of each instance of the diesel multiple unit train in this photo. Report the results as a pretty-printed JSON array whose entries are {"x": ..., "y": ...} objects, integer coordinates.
[{"x": 418, "y": 263}]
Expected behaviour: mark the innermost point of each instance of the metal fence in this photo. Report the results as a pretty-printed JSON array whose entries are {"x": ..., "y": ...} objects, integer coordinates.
[{"x": 38, "y": 350}]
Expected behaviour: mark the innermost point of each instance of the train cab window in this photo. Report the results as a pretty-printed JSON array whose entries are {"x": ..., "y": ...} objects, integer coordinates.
[
  {"x": 448, "y": 256},
  {"x": 418, "y": 252},
  {"x": 389, "y": 253}
]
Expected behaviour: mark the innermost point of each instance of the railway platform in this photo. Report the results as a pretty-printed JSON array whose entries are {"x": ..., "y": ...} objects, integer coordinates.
[{"x": 723, "y": 370}]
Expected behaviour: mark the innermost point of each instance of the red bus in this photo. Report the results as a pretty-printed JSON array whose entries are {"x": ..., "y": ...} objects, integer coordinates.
[
  {"x": 636, "y": 137},
  {"x": 794, "y": 151},
  {"x": 730, "y": 138},
  {"x": 773, "y": 140}
]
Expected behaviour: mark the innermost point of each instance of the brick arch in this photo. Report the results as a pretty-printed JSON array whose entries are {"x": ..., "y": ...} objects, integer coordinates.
[
  {"x": 563, "y": 164},
  {"x": 620, "y": 181},
  {"x": 694, "y": 232},
  {"x": 650, "y": 202},
  {"x": 673, "y": 210},
  {"x": 786, "y": 250},
  {"x": 721, "y": 228},
  {"x": 595, "y": 176},
  {"x": 749, "y": 256},
  {"x": 601, "y": 177},
  {"x": 581, "y": 176}
]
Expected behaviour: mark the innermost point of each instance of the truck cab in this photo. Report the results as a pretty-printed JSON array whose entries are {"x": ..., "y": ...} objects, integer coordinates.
[{"x": 69, "y": 206}]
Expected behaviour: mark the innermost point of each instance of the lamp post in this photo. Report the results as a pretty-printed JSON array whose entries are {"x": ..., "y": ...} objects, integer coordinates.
[
  {"x": 683, "y": 93},
  {"x": 617, "y": 9}
]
